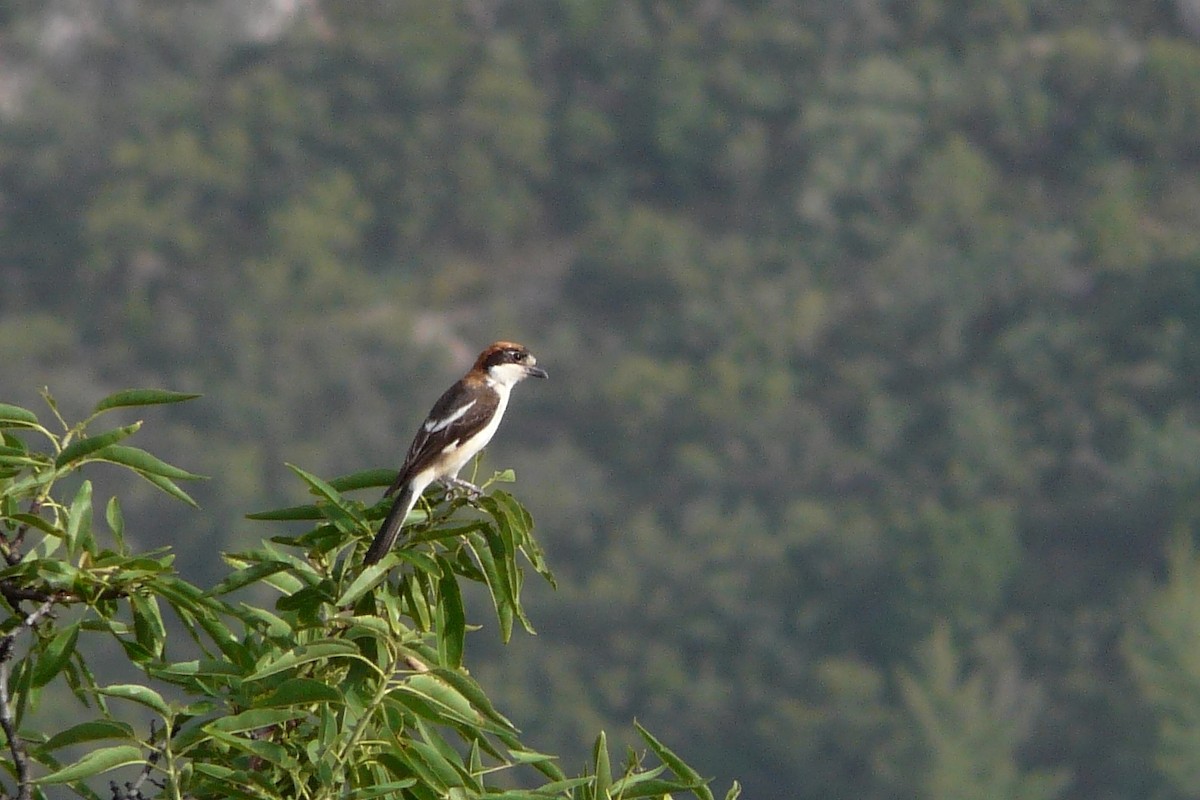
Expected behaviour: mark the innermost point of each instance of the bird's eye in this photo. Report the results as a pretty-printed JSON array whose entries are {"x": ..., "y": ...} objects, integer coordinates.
[{"x": 517, "y": 355}]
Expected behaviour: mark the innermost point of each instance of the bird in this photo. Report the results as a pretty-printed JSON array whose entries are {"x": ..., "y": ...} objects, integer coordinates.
[{"x": 460, "y": 424}]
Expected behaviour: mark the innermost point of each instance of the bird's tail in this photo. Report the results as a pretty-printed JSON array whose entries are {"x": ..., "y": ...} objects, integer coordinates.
[{"x": 389, "y": 531}]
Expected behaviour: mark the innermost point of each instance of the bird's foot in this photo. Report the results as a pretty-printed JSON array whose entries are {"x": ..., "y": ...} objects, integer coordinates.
[{"x": 468, "y": 489}]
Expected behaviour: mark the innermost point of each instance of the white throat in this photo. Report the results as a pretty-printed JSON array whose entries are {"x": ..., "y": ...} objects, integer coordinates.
[{"x": 503, "y": 377}]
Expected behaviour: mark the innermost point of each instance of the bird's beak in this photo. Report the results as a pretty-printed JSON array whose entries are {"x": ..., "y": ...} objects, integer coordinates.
[{"x": 536, "y": 372}]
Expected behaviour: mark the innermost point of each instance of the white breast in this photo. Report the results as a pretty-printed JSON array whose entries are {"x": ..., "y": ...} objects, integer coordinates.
[{"x": 459, "y": 453}]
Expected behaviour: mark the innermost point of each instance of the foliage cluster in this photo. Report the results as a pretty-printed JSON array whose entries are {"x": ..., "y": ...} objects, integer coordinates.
[{"x": 351, "y": 684}]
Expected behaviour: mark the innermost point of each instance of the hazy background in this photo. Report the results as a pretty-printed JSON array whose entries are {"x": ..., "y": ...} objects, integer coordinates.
[{"x": 870, "y": 455}]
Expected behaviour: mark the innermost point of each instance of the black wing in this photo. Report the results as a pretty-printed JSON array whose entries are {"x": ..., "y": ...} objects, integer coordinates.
[{"x": 456, "y": 415}]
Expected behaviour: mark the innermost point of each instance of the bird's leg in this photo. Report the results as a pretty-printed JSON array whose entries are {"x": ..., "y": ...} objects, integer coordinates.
[{"x": 466, "y": 487}]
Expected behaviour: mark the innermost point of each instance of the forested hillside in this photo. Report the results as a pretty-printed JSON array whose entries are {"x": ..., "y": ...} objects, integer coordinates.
[{"x": 870, "y": 457}]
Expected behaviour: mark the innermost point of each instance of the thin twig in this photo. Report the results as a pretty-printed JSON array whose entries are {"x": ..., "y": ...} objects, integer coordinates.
[
  {"x": 12, "y": 549},
  {"x": 15, "y": 592},
  {"x": 133, "y": 789},
  {"x": 151, "y": 760},
  {"x": 20, "y": 756}
]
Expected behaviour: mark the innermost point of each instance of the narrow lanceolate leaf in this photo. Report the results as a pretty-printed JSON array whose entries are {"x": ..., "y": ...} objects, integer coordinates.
[
  {"x": 96, "y": 762},
  {"x": 468, "y": 688},
  {"x": 169, "y": 486},
  {"x": 15, "y": 456},
  {"x": 81, "y": 448},
  {"x": 11, "y": 416},
  {"x": 138, "y": 459},
  {"x": 116, "y": 522},
  {"x": 364, "y": 480},
  {"x": 79, "y": 523},
  {"x": 439, "y": 701},
  {"x": 138, "y": 694},
  {"x": 642, "y": 784},
  {"x": 90, "y": 731},
  {"x": 141, "y": 397},
  {"x": 268, "y": 751},
  {"x": 303, "y": 655},
  {"x": 676, "y": 764},
  {"x": 254, "y": 719},
  {"x": 247, "y": 576},
  {"x": 291, "y": 514},
  {"x": 601, "y": 765},
  {"x": 56, "y": 655},
  {"x": 366, "y": 580},
  {"x": 338, "y": 509},
  {"x": 302, "y": 692},
  {"x": 33, "y": 520},
  {"x": 148, "y": 623},
  {"x": 495, "y": 583},
  {"x": 451, "y": 619},
  {"x": 319, "y": 486},
  {"x": 389, "y": 789}
]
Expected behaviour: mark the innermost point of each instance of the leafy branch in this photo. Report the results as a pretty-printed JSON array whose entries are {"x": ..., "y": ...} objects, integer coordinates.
[{"x": 350, "y": 684}]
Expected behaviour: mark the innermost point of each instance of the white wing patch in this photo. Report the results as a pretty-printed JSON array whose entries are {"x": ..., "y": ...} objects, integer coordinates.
[{"x": 435, "y": 425}]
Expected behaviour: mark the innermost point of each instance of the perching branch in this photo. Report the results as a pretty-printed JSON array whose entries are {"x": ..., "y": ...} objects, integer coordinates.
[
  {"x": 20, "y": 756},
  {"x": 15, "y": 592},
  {"x": 133, "y": 789}
]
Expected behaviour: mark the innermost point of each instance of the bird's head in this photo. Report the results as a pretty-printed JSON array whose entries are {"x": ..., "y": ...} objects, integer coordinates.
[{"x": 508, "y": 363}]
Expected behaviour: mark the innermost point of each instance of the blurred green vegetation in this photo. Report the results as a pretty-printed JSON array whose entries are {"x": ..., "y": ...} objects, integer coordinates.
[{"x": 873, "y": 329}]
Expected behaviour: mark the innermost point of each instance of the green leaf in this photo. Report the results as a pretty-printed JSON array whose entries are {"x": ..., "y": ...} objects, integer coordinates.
[
  {"x": 468, "y": 688},
  {"x": 290, "y": 514},
  {"x": 143, "y": 695},
  {"x": 504, "y": 476},
  {"x": 253, "y": 719},
  {"x": 116, "y": 522},
  {"x": 366, "y": 580},
  {"x": 148, "y": 625},
  {"x": 601, "y": 765},
  {"x": 89, "y": 732},
  {"x": 676, "y": 764},
  {"x": 268, "y": 751},
  {"x": 478, "y": 544},
  {"x": 21, "y": 458},
  {"x": 302, "y": 655},
  {"x": 140, "y": 397},
  {"x": 81, "y": 448},
  {"x": 640, "y": 785},
  {"x": 302, "y": 691},
  {"x": 79, "y": 521},
  {"x": 324, "y": 490},
  {"x": 94, "y": 763},
  {"x": 35, "y": 521},
  {"x": 15, "y": 415},
  {"x": 138, "y": 459},
  {"x": 244, "y": 577},
  {"x": 442, "y": 700},
  {"x": 55, "y": 656},
  {"x": 168, "y": 486},
  {"x": 272, "y": 624},
  {"x": 336, "y": 509},
  {"x": 366, "y": 479},
  {"x": 200, "y": 667},
  {"x": 433, "y": 766},
  {"x": 451, "y": 619},
  {"x": 382, "y": 789}
]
